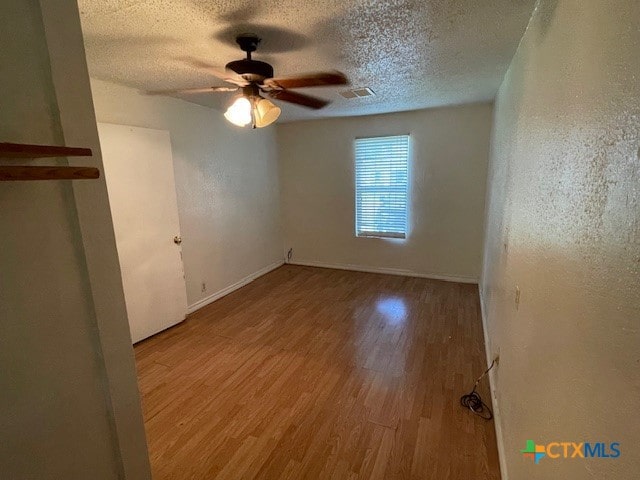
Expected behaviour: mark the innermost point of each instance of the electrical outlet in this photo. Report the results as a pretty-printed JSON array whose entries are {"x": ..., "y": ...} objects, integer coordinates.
[
  {"x": 517, "y": 297},
  {"x": 203, "y": 288}
]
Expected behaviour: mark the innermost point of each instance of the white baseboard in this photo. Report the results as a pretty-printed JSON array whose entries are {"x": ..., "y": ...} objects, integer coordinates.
[
  {"x": 387, "y": 271},
  {"x": 227, "y": 290},
  {"x": 497, "y": 419}
]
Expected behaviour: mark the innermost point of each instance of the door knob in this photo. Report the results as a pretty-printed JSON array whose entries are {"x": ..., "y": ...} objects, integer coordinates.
[{"x": 177, "y": 239}]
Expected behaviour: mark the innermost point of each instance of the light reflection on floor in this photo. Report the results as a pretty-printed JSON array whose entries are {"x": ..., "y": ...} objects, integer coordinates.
[{"x": 393, "y": 309}]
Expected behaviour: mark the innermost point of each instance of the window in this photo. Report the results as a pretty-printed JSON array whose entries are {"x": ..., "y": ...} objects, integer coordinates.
[{"x": 381, "y": 186}]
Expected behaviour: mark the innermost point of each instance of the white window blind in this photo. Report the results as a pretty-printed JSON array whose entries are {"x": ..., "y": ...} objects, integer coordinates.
[{"x": 381, "y": 186}]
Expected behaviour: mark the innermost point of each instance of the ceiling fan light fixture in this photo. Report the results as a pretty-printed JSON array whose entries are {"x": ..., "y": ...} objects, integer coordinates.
[
  {"x": 252, "y": 77},
  {"x": 265, "y": 112},
  {"x": 239, "y": 113}
]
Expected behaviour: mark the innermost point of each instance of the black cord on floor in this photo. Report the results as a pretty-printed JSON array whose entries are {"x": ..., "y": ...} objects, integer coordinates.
[{"x": 474, "y": 402}]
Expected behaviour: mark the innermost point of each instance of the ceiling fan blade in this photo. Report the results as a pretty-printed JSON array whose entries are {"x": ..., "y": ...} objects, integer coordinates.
[
  {"x": 299, "y": 99},
  {"x": 221, "y": 73},
  {"x": 318, "y": 79},
  {"x": 192, "y": 90}
]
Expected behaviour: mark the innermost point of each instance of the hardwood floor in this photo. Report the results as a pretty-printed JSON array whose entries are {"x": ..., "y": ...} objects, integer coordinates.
[{"x": 314, "y": 373}]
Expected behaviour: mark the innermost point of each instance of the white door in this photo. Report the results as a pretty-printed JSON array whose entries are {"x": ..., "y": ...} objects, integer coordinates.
[{"x": 138, "y": 169}]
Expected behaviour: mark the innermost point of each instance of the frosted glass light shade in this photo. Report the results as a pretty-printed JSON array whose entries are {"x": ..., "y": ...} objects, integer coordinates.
[
  {"x": 239, "y": 113},
  {"x": 265, "y": 113}
]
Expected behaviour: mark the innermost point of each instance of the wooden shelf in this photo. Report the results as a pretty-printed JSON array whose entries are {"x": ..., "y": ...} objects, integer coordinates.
[
  {"x": 11, "y": 173},
  {"x": 20, "y": 150}
]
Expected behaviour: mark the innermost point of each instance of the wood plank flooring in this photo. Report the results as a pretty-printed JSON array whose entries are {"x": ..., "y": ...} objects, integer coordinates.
[{"x": 312, "y": 373}]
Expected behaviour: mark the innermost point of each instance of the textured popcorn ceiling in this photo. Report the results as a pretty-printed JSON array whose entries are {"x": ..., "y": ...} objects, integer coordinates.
[{"x": 412, "y": 53}]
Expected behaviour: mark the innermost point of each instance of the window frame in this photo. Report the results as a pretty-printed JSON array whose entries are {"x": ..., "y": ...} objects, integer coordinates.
[{"x": 383, "y": 235}]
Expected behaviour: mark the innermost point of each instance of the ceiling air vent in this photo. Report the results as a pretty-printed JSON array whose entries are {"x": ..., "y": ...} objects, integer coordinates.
[{"x": 358, "y": 92}]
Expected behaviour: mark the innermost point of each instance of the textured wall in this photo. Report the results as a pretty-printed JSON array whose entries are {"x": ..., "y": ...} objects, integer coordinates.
[
  {"x": 563, "y": 224},
  {"x": 66, "y": 384},
  {"x": 226, "y": 183},
  {"x": 447, "y": 188}
]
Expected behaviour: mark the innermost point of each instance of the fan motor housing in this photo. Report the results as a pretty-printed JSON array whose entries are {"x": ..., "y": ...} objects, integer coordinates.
[{"x": 251, "y": 67}]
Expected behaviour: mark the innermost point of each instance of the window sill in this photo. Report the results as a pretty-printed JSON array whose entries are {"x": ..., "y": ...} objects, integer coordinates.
[{"x": 385, "y": 236}]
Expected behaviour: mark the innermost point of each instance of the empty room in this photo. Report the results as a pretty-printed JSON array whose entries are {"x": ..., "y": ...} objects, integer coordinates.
[{"x": 319, "y": 240}]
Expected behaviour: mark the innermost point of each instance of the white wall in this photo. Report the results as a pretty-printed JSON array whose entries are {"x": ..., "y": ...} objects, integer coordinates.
[
  {"x": 226, "y": 183},
  {"x": 447, "y": 179},
  {"x": 69, "y": 402},
  {"x": 563, "y": 224}
]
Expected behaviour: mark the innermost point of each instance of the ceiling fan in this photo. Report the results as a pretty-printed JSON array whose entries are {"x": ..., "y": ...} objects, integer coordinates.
[{"x": 253, "y": 77}]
